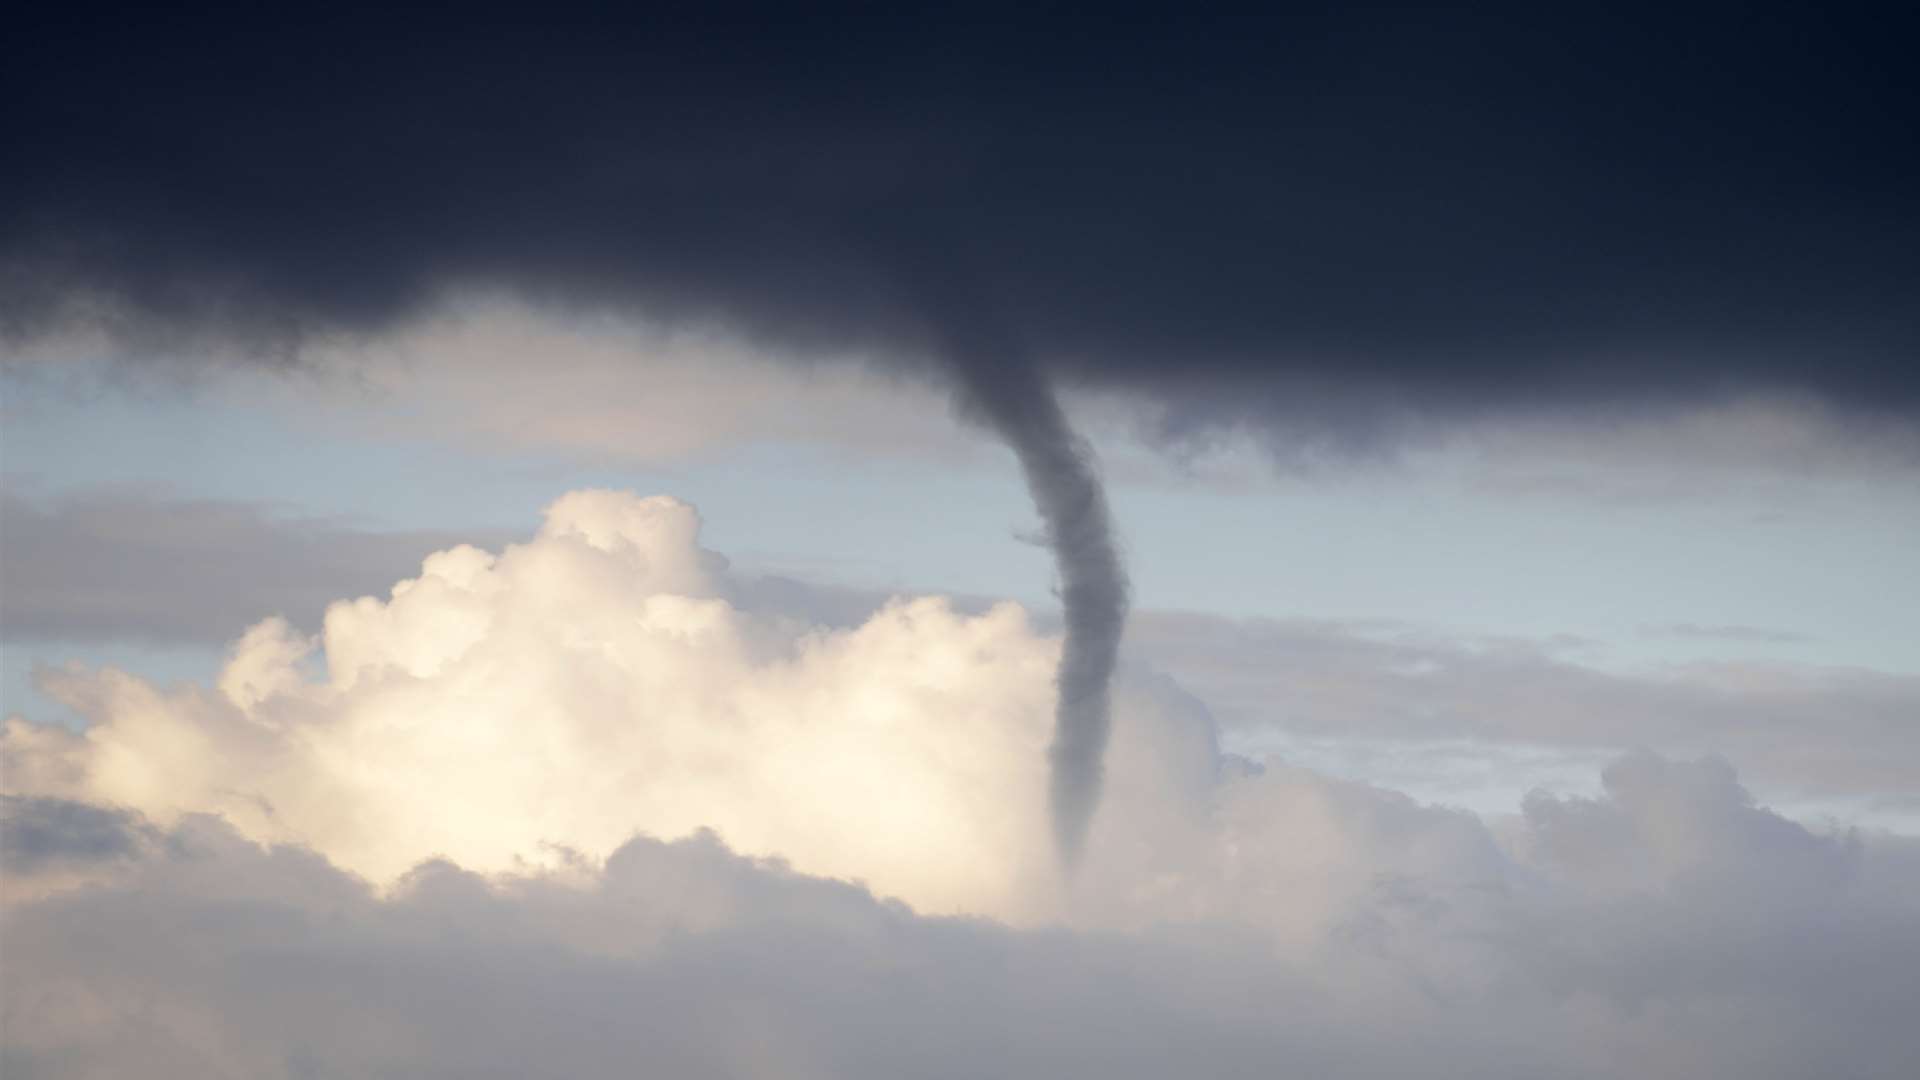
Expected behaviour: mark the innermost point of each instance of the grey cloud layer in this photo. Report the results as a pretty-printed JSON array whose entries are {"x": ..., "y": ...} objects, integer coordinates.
[
  {"x": 126, "y": 566},
  {"x": 1811, "y": 730},
  {"x": 1666, "y": 928}
]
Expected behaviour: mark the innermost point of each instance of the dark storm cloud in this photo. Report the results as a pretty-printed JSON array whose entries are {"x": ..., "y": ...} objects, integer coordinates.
[{"x": 1330, "y": 219}]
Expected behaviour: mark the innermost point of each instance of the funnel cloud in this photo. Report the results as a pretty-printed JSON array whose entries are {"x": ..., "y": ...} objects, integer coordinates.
[
  {"x": 1062, "y": 477},
  {"x": 998, "y": 385}
]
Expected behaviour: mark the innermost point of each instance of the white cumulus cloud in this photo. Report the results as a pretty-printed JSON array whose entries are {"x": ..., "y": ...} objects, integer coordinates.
[
  {"x": 591, "y": 683},
  {"x": 576, "y": 808}
]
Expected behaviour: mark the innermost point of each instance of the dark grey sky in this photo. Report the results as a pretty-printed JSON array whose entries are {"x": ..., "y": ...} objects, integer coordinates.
[{"x": 1431, "y": 210}]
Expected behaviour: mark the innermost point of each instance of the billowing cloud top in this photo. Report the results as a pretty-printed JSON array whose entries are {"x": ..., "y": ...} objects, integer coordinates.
[
  {"x": 586, "y": 685},
  {"x": 1448, "y": 210}
]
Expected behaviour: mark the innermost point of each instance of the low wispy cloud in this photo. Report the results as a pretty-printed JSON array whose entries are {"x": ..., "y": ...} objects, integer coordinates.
[
  {"x": 1754, "y": 635},
  {"x": 1803, "y": 730},
  {"x": 117, "y": 565}
]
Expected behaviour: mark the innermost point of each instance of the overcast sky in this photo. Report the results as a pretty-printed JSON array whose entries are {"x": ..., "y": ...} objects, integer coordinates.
[{"x": 531, "y": 548}]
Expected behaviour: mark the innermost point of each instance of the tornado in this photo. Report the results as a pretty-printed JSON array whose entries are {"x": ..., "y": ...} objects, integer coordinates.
[
  {"x": 999, "y": 387},
  {"x": 1061, "y": 475}
]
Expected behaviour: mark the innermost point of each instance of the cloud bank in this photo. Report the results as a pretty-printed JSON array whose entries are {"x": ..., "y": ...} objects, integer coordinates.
[
  {"x": 1667, "y": 928},
  {"x": 577, "y": 804}
]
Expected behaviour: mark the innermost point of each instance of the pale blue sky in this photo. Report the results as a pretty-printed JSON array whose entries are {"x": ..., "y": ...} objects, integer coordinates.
[
  {"x": 1830, "y": 559},
  {"x": 1815, "y": 567}
]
